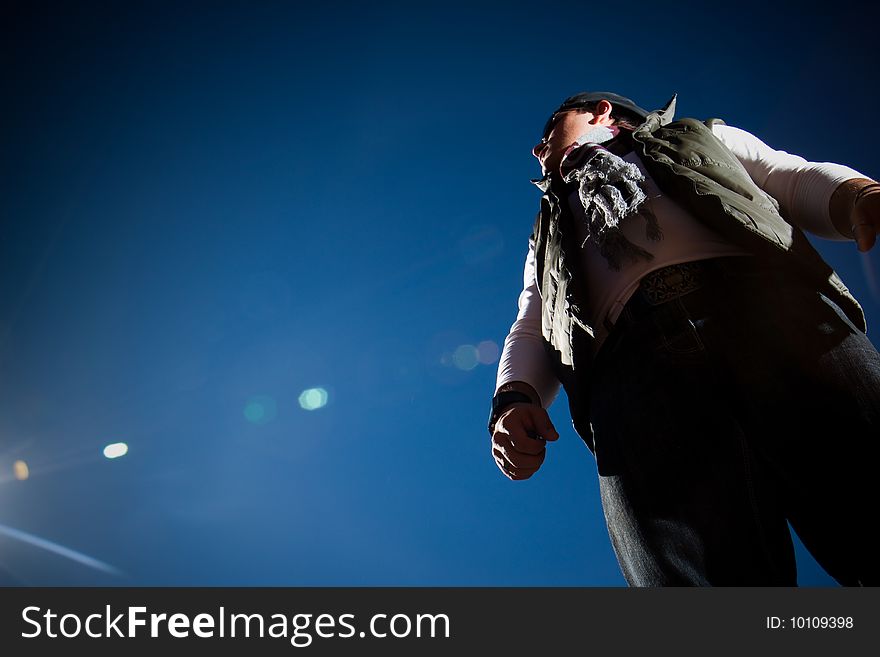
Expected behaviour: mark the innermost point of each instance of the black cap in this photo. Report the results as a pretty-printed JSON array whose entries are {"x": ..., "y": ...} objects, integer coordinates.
[{"x": 591, "y": 97}]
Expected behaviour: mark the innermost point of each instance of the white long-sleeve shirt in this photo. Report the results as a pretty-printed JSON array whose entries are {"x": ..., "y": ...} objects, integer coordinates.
[{"x": 802, "y": 188}]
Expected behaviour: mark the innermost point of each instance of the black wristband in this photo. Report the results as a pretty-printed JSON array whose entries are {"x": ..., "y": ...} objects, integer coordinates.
[{"x": 501, "y": 401}]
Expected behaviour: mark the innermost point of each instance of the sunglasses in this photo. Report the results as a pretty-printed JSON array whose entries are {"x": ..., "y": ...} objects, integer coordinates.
[{"x": 548, "y": 127}]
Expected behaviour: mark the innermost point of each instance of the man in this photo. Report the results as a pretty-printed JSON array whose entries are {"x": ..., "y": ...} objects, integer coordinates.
[{"x": 713, "y": 362}]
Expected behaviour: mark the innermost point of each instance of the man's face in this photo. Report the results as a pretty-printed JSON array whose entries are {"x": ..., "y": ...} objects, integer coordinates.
[{"x": 565, "y": 129}]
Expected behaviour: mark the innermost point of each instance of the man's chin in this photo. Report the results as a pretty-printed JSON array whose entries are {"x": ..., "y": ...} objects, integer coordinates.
[{"x": 547, "y": 167}]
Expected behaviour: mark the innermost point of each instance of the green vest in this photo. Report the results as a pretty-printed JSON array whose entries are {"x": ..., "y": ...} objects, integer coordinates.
[{"x": 692, "y": 166}]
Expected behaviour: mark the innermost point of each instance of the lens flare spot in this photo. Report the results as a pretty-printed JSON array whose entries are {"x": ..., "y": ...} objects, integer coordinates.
[
  {"x": 260, "y": 409},
  {"x": 488, "y": 352},
  {"x": 465, "y": 357},
  {"x": 313, "y": 399},
  {"x": 21, "y": 470},
  {"x": 115, "y": 450}
]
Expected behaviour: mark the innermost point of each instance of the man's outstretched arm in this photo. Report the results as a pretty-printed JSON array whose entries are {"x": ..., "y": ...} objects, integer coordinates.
[{"x": 818, "y": 197}]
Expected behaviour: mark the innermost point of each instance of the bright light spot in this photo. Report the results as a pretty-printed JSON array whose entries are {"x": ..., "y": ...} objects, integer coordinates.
[
  {"x": 254, "y": 412},
  {"x": 487, "y": 352},
  {"x": 313, "y": 399},
  {"x": 21, "y": 470},
  {"x": 465, "y": 357},
  {"x": 260, "y": 409},
  {"x": 115, "y": 450}
]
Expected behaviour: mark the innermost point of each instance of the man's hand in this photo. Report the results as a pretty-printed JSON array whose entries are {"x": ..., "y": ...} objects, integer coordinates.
[
  {"x": 865, "y": 218},
  {"x": 519, "y": 440},
  {"x": 855, "y": 211}
]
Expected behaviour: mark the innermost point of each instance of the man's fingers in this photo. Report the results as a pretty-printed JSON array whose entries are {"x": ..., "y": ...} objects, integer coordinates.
[
  {"x": 541, "y": 423},
  {"x": 537, "y": 429},
  {"x": 866, "y": 222},
  {"x": 517, "y": 425},
  {"x": 865, "y": 235},
  {"x": 517, "y": 476},
  {"x": 527, "y": 423},
  {"x": 513, "y": 472},
  {"x": 503, "y": 449}
]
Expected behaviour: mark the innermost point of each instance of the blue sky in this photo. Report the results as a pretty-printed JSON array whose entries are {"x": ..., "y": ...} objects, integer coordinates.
[{"x": 210, "y": 208}]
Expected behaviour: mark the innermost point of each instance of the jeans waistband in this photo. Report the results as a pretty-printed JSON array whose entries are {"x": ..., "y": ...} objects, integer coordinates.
[{"x": 693, "y": 279}]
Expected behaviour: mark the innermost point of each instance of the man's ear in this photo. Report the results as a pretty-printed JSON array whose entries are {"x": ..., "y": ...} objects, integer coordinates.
[{"x": 603, "y": 110}]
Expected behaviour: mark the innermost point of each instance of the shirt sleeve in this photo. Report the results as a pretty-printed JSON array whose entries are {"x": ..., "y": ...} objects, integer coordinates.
[
  {"x": 523, "y": 357},
  {"x": 803, "y": 188}
]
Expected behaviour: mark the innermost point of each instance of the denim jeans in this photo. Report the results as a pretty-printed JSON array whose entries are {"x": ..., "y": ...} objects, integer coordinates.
[{"x": 720, "y": 415}]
